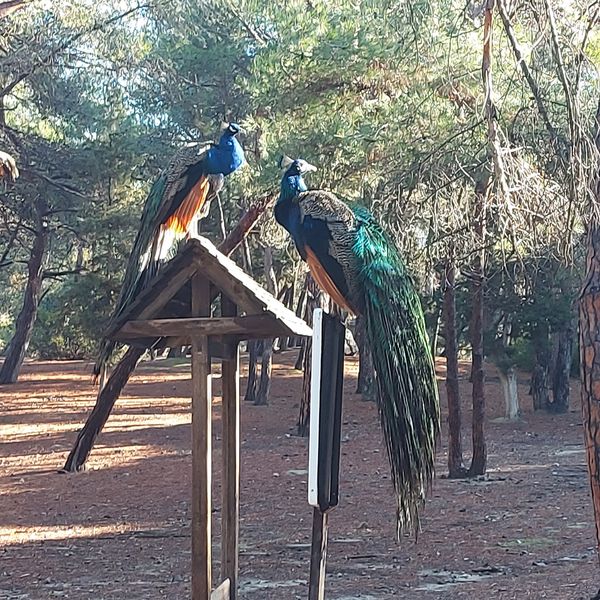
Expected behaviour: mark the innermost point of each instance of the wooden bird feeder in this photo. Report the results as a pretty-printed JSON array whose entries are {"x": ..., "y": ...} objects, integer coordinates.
[{"x": 178, "y": 307}]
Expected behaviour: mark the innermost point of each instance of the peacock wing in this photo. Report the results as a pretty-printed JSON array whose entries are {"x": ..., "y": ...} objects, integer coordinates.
[
  {"x": 328, "y": 229},
  {"x": 186, "y": 190}
]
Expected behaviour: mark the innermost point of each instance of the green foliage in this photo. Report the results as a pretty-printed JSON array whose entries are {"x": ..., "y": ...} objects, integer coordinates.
[
  {"x": 69, "y": 318},
  {"x": 385, "y": 97}
]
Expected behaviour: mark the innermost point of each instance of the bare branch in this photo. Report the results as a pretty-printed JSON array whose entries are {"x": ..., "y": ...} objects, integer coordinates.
[
  {"x": 508, "y": 28},
  {"x": 59, "y": 274},
  {"x": 66, "y": 44}
]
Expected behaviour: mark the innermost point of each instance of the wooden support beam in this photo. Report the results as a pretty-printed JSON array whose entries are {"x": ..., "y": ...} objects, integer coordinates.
[
  {"x": 246, "y": 327},
  {"x": 230, "y": 381},
  {"x": 201, "y": 448}
]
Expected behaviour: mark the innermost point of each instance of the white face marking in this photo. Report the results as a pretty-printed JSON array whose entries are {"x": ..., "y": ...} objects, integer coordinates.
[{"x": 305, "y": 167}]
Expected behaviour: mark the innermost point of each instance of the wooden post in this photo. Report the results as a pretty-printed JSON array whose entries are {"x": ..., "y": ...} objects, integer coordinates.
[
  {"x": 201, "y": 448},
  {"x": 230, "y": 379},
  {"x": 318, "y": 556}
]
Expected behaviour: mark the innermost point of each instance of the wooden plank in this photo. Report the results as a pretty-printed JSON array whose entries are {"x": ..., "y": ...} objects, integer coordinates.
[
  {"x": 230, "y": 381},
  {"x": 248, "y": 326},
  {"x": 158, "y": 292},
  {"x": 222, "y": 592},
  {"x": 240, "y": 287},
  {"x": 201, "y": 449},
  {"x": 318, "y": 556}
]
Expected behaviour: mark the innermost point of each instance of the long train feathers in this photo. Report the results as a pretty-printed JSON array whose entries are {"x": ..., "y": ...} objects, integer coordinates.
[{"x": 405, "y": 376}]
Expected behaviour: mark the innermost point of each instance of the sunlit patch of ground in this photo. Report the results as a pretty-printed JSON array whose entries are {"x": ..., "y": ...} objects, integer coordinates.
[{"x": 121, "y": 528}]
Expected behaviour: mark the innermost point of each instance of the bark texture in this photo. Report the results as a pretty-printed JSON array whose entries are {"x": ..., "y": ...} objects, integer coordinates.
[{"x": 589, "y": 343}]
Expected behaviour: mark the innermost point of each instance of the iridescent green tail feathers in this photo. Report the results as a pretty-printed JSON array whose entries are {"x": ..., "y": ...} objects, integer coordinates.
[{"x": 406, "y": 391}]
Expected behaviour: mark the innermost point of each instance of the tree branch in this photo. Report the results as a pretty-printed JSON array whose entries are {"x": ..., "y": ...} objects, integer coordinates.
[
  {"x": 59, "y": 274},
  {"x": 535, "y": 90},
  {"x": 68, "y": 42}
]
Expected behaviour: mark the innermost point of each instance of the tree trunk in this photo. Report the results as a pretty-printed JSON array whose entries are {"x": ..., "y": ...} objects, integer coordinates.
[
  {"x": 436, "y": 333},
  {"x": 104, "y": 405},
  {"x": 365, "y": 384},
  {"x": 17, "y": 348},
  {"x": 479, "y": 459},
  {"x": 262, "y": 396},
  {"x": 539, "y": 388},
  {"x": 254, "y": 349},
  {"x": 561, "y": 376},
  {"x": 284, "y": 340},
  {"x": 301, "y": 352},
  {"x": 456, "y": 468},
  {"x": 508, "y": 382},
  {"x": 121, "y": 373},
  {"x": 589, "y": 344}
]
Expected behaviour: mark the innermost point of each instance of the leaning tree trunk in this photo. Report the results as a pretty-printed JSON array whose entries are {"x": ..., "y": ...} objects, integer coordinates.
[
  {"x": 561, "y": 376},
  {"x": 589, "y": 344},
  {"x": 456, "y": 467},
  {"x": 104, "y": 404},
  {"x": 121, "y": 373},
  {"x": 262, "y": 397},
  {"x": 17, "y": 348}
]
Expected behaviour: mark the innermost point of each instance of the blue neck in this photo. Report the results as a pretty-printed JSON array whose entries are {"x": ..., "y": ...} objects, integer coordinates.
[
  {"x": 226, "y": 157},
  {"x": 291, "y": 186}
]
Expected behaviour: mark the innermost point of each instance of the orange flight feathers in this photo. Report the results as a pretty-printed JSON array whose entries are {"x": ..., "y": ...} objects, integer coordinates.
[
  {"x": 180, "y": 220},
  {"x": 324, "y": 281}
]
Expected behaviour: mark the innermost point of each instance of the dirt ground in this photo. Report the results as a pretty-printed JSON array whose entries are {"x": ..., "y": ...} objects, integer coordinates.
[{"x": 120, "y": 530}]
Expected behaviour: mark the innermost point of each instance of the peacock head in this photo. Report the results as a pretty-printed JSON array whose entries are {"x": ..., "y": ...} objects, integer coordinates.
[
  {"x": 232, "y": 129},
  {"x": 295, "y": 168},
  {"x": 292, "y": 182}
]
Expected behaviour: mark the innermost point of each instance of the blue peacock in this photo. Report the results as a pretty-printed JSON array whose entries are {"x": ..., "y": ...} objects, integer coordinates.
[
  {"x": 354, "y": 261},
  {"x": 179, "y": 197}
]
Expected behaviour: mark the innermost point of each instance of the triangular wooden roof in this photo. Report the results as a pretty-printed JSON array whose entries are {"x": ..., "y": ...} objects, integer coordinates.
[{"x": 164, "y": 308}]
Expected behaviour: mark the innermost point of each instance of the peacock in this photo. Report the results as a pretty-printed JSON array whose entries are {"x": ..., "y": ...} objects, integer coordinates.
[
  {"x": 179, "y": 197},
  {"x": 354, "y": 261}
]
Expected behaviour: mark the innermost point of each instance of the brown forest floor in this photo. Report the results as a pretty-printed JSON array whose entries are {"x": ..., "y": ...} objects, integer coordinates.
[{"x": 120, "y": 530}]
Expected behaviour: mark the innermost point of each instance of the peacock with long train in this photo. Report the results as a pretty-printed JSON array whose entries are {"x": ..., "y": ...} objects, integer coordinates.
[
  {"x": 178, "y": 198},
  {"x": 353, "y": 260}
]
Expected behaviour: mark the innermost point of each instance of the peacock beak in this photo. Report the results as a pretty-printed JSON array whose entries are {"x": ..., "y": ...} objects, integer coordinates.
[{"x": 307, "y": 167}]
